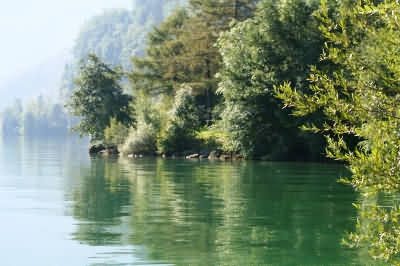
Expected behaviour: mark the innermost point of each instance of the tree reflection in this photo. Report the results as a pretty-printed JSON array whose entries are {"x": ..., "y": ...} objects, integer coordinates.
[
  {"x": 99, "y": 203},
  {"x": 232, "y": 214},
  {"x": 215, "y": 213},
  {"x": 378, "y": 229}
]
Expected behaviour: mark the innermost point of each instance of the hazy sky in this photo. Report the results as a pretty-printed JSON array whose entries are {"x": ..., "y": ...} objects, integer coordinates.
[{"x": 33, "y": 30}]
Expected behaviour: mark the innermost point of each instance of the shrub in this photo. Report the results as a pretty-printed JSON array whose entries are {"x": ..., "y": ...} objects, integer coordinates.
[
  {"x": 140, "y": 141},
  {"x": 184, "y": 121},
  {"x": 177, "y": 139},
  {"x": 213, "y": 139},
  {"x": 115, "y": 133}
]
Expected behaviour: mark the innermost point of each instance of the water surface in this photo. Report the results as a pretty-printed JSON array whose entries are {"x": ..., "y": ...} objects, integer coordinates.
[{"x": 60, "y": 207}]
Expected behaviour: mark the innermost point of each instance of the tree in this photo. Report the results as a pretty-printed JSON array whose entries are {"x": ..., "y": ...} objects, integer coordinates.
[
  {"x": 98, "y": 98},
  {"x": 116, "y": 35},
  {"x": 208, "y": 19},
  {"x": 185, "y": 121},
  {"x": 360, "y": 96},
  {"x": 182, "y": 51},
  {"x": 11, "y": 120},
  {"x": 161, "y": 71},
  {"x": 278, "y": 44}
]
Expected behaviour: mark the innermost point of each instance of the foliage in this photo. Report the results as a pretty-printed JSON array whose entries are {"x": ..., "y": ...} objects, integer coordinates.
[
  {"x": 212, "y": 139},
  {"x": 378, "y": 229},
  {"x": 360, "y": 96},
  {"x": 140, "y": 141},
  {"x": 115, "y": 133},
  {"x": 184, "y": 111},
  {"x": 143, "y": 139},
  {"x": 99, "y": 98},
  {"x": 180, "y": 134},
  {"x": 182, "y": 51},
  {"x": 160, "y": 71},
  {"x": 277, "y": 45}
]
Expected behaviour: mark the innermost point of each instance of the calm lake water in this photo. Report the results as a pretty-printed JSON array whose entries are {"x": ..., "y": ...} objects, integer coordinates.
[{"x": 60, "y": 207}]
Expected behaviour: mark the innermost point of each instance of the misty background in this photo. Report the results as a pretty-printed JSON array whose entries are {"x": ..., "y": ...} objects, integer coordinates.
[
  {"x": 37, "y": 40},
  {"x": 43, "y": 44}
]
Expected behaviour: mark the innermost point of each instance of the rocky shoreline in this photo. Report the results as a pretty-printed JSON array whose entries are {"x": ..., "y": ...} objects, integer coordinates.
[{"x": 103, "y": 150}]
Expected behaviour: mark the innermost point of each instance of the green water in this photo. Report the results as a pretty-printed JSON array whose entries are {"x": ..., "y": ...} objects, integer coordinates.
[{"x": 60, "y": 207}]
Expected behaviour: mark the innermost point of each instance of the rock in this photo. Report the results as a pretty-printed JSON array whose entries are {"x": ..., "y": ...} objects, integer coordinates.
[
  {"x": 237, "y": 156},
  {"x": 193, "y": 156},
  {"x": 113, "y": 150},
  {"x": 188, "y": 153},
  {"x": 103, "y": 150},
  {"x": 213, "y": 155},
  {"x": 96, "y": 148},
  {"x": 203, "y": 156},
  {"x": 130, "y": 155},
  {"x": 225, "y": 157}
]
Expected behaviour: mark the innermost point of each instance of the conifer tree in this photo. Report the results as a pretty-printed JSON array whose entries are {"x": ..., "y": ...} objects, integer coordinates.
[{"x": 182, "y": 50}]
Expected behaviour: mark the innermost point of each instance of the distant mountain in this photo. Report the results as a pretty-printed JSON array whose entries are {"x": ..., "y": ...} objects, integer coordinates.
[
  {"x": 117, "y": 35},
  {"x": 43, "y": 79}
]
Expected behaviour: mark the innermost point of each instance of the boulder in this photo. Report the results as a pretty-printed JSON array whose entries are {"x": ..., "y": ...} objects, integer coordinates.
[
  {"x": 213, "y": 155},
  {"x": 113, "y": 150},
  {"x": 96, "y": 148},
  {"x": 225, "y": 157},
  {"x": 237, "y": 156},
  {"x": 188, "y": 153},
  {"x": 103, "y": 150},
  {"x": 193, "y": 156}
]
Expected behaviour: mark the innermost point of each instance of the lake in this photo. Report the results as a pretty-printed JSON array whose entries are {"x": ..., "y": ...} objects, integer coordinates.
[{"x": 58, "y": 207}]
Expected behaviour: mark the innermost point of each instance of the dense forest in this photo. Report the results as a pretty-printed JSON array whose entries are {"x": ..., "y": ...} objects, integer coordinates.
[{"x": 188, "y": 82}]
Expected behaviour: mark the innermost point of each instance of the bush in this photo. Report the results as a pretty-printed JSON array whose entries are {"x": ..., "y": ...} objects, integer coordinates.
[
  {"x": 115, "y": 133},
  {"x": 213, "y": 139},
  {"x": 181, "y": 129},
  {"x": 140, "y": 141},
  {"x": 178, "y": 139}
]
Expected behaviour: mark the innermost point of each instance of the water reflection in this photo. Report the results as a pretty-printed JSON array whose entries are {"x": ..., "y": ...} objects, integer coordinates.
[
  {"x": 214, "y": 213},
  {"x": 99, "y": 201},
  {"x": 376, "y": 236}
]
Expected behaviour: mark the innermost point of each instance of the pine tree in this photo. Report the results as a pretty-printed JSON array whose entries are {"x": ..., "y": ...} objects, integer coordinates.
[{"x": 182, "y": 50}]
